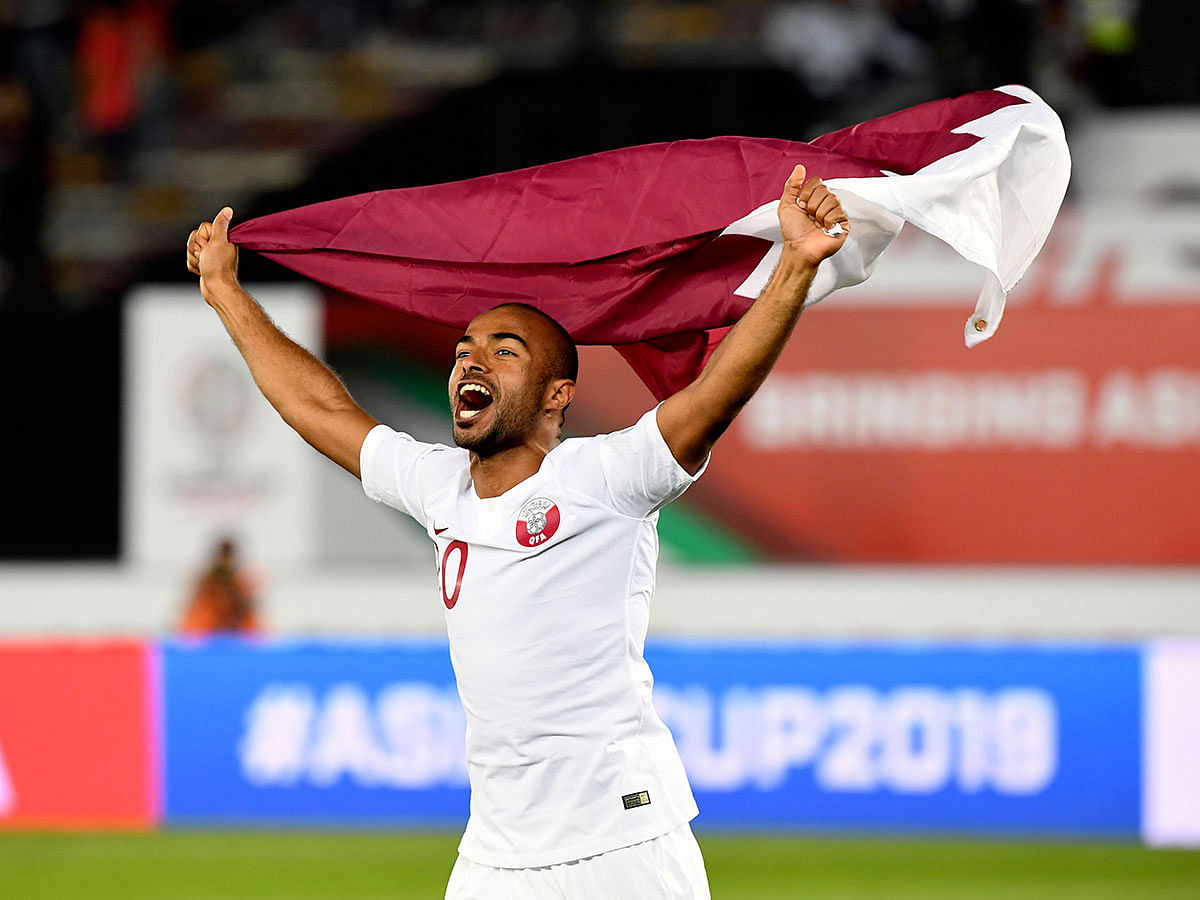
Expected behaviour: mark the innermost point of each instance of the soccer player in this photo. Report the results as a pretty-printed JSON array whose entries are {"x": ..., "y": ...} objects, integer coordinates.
[{"x": 546, "y": 553}]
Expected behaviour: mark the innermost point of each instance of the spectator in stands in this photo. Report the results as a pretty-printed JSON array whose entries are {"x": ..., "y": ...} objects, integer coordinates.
[
  {"x": 106, "y": 59},
  {"x": 223, "y": 599},
  {"x": 149, "y": 24}
]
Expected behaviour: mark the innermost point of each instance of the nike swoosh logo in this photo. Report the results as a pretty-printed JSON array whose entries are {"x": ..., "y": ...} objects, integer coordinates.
[{"x": 440, "y": 530}]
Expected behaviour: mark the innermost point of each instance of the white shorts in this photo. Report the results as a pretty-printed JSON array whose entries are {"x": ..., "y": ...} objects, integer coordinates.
[{"x": 669, "y": 867}]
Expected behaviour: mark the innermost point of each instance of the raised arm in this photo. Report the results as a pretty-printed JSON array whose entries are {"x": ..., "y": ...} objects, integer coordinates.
[
  {"x": 693, "y": 419},
  {"x": 303, "y": 390}
]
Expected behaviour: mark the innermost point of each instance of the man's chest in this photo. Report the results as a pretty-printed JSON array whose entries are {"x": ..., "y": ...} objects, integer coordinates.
[
  {"x": 511, "y": 562},
  {"x": 529, "y": 521}
]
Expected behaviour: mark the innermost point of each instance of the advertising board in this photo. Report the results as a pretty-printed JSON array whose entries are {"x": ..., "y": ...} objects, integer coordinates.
[
  {"x": 1070, "y": 740},
  {"x": 205, "y": 456},
  {"x": 354, "y": 734},
  {"x": 76, "y": 736},
  {"x": 933, "y": 737},
  {"x": 896, "y": 737}
]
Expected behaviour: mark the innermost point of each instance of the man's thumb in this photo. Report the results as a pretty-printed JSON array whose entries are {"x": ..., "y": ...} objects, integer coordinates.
[{"x": 221, "y": 222}]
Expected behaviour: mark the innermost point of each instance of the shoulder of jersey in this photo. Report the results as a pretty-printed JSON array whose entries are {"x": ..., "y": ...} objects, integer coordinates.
[
  {"x": 445, "y": 463},
  {"x": 569, "y": 451}
]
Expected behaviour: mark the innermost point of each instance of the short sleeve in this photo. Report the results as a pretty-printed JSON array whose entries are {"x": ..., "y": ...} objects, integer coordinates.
[
  {"x": 391, "y": 464},
  {"x": 641, "y": 475}
]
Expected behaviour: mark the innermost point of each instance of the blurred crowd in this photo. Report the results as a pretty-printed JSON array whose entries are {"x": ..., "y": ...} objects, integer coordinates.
[{"x": 92, "y": 93}]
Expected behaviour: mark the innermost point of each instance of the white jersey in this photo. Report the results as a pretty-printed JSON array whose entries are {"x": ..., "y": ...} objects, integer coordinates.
[{"x": 546, "y": 591}]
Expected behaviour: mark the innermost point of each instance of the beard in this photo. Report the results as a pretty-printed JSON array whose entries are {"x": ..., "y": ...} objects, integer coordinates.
[{"x": 513, "y": 422}]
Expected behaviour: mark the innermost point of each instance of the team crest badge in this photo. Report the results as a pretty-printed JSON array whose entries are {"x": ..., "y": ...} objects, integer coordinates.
[{"x": 536, "y": 522}]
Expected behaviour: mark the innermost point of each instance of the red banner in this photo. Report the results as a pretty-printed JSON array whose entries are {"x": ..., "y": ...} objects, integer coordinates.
[
  {"x": 75, "y": 736},
  {"x": 1071, "y": 437}
]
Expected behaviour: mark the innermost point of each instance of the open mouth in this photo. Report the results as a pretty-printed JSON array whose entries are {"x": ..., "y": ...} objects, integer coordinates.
[{"x": 473, "y": 398}]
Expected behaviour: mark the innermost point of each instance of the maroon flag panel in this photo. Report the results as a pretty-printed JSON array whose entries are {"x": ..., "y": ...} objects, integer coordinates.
[{"x": 631, "y": 247}]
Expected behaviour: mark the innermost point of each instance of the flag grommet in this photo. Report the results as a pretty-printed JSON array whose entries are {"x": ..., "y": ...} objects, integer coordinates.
[{"x": 980, "y": 324}]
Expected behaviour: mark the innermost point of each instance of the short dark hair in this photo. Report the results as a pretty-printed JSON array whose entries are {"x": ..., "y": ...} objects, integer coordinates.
[{"x": 564, "y": 362}]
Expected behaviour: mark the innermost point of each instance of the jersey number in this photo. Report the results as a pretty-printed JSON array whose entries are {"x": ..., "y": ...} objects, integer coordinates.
[{"x": 447, "y": 597}]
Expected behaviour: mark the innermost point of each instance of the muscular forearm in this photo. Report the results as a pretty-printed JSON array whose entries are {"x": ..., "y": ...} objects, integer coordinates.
[
  {"x": 308, "y": 396},
  {"x": 305, "y": 392},
  {"x": 692, "y": 420},
  {"x": 290, "y": 377},
  {"x": 814, "y": 226},
  {"x": 744, "y": 358}
]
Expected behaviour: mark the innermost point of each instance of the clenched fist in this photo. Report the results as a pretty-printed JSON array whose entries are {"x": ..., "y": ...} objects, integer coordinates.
[
  {"x": 210, "y": 254},
  {"x": 811, "y": 217}
]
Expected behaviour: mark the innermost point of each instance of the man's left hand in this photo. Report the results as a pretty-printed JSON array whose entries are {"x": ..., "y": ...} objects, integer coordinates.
[{"x": 808, "y": 212}]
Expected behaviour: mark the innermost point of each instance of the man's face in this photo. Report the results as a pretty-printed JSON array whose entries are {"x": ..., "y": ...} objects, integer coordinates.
[{"x": 499, "y": 379}]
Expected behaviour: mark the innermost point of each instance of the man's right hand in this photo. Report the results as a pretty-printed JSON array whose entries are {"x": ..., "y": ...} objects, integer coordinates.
[
  {"x": 304, "y": 391},
  {"x": 210, "y": 254}
]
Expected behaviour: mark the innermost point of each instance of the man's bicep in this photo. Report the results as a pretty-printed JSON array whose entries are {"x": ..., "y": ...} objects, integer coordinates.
[
  {"x": 340, "y": 434},
  {"x": 687, "y": 433}
]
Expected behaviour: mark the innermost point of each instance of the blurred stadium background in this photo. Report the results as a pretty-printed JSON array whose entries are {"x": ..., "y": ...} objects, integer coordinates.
[{"x": 928, "y": 627}]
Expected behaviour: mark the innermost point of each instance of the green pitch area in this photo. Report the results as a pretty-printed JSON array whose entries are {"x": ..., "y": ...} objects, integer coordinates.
[{"x": 391, "y": 866}]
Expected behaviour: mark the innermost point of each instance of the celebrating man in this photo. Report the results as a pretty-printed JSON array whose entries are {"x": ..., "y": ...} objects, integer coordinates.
[{"x": 546, "y": 554}]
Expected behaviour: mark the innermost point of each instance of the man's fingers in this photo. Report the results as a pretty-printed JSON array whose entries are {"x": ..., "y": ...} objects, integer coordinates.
[
  {"x": 807, "y": 193},
  {"x": 795, "y": 182},
  {"x": 193, "y": 254},
  {"x": 823, "y": 207},
  {"x": 821, "y": 204},
  {"x": 818, "y": 205},
  {"x": 813, "y": 188},
  {"x": 220, "y": 225},
  {"x": 838, "y": 219},
  {"x": 204, "y": 233}
]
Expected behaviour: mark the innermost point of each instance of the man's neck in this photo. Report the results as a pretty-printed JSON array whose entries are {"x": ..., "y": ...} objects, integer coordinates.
[{"x": 504, "y": 470}]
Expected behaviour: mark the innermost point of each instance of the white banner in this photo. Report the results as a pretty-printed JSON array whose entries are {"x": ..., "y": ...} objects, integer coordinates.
[
  {"x": 1171, "y": 744},
  {"x": 205, "y": 455}
]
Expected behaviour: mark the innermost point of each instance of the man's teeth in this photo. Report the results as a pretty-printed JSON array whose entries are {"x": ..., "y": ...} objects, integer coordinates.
[{"x": 480, "y": 396}]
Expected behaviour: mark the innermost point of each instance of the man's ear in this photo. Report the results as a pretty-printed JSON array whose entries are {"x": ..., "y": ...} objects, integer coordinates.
[{"x": 559, "y": 393}]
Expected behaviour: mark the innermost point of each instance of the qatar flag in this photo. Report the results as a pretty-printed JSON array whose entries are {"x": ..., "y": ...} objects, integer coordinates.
[{"x": 659, "y": 249}]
